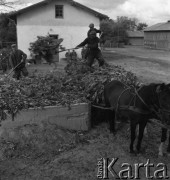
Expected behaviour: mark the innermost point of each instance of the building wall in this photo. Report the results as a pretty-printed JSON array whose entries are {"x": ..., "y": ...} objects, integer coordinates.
[
  {"x": 136, "y": 41},
  {"x": 41, "y": 21},
  {"x": 157, "y": 40}
]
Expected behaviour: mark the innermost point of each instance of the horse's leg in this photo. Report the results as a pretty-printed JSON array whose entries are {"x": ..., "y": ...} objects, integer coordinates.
[
  {"x": 116, "y": 120},
  {"x": 163, "y": 139},
  {"x": 111, "y": 120},
  {"x": 146, "y": 131},
  {"x": 133, "y": 125},
  {"x": 142, "y": 126},
  {"x": 168, "y": 149}
]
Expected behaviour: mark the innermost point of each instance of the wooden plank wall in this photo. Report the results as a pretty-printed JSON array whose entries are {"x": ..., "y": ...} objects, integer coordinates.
[
  {"x": 77, "y": 118},
  {"x": 157, "y": 40}
]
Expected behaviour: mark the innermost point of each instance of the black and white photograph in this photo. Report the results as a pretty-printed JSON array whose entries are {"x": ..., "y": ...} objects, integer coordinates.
[{"x": 84, "y": 89}]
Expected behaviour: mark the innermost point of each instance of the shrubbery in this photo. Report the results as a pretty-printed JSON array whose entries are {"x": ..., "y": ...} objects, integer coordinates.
[{"x": 45, "y": 47}]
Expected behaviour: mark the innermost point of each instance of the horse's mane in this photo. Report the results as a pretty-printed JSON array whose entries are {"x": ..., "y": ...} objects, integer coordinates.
[
  {"x": 151, "y": 92},
  {"x": 154, "y": 85},
  {"x": 163, "y": 86}
]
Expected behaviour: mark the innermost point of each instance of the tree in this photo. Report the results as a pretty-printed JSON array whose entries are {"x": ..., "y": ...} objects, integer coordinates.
[
  {"x": 127, "y": 23},
  {"x": 141, "y": 26},
  {"x": 116, "y": 30},
  {"x": 7, "y": 29},
  {"x": 6, "y": 4},
  {"x": 7, "y": 25},
  {"x": 106, "y": 28}
]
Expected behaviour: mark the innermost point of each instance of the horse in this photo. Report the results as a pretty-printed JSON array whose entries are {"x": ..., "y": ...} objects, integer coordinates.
[{"x": 138, "y": 106}]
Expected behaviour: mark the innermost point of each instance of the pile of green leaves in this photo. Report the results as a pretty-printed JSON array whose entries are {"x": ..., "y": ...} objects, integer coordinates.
[
  {"x": 83, "y": 84},
  {"x": 38, "y": 91},
  {"x": 95, "y": 78}
]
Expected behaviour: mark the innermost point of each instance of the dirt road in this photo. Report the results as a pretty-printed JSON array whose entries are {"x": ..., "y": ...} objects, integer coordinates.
[{"x": 148, "y": 65}]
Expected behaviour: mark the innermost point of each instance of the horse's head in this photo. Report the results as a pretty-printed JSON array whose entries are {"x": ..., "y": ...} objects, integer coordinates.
[{"x": 163, "y": 92}]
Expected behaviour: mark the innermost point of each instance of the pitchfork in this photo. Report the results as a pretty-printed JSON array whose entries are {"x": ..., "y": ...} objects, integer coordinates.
[{"x": 13, "y": 70}]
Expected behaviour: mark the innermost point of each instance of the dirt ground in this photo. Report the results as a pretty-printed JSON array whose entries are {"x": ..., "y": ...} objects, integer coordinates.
[
  {"x": 148, "y": 65},
  {"x": 51, "y": 153}
]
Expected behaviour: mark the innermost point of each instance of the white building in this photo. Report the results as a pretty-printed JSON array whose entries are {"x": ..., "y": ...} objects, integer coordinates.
[{"x": 65, "y": 19}]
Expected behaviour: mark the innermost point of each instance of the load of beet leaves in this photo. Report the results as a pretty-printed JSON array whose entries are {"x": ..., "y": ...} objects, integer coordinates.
[
  {"x": 94, "y": 79},
  {"x": 80, "y": 84}
]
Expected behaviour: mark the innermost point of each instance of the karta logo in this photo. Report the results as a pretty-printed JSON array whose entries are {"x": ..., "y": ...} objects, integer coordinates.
[{"x": 107, "y": 166}]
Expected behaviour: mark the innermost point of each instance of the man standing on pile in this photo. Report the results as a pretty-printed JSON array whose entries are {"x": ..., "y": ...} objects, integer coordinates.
[
  {"x": 94, "y": 52},
  {"x": 17, "y": 60},
  {"x": 91, "y": 26}
]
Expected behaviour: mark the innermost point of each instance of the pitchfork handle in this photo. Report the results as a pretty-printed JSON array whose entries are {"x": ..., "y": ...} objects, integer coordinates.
[{"x": 14, "y": 69}]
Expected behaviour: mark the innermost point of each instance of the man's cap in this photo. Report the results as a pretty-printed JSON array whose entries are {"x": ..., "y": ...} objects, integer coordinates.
[
  {"x": 13, "y": 45},
  {"x": 91, "y": 25}
]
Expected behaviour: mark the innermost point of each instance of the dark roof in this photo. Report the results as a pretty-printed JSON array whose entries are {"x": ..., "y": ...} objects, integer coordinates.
[
  {"x": 135, "y": 33},
  {"x": 159, "y": 27},
  {"x": 73, "y": 3}
]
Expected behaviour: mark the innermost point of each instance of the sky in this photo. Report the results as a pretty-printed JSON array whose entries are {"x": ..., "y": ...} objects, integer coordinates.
[{"x": 146, "y": 11}]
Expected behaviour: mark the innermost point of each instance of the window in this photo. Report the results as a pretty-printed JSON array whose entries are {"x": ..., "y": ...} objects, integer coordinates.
[{"x": 59, "y": 11}]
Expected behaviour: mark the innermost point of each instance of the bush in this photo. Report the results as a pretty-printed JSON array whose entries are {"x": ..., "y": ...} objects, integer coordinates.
[{"x": 45, "y": 47}]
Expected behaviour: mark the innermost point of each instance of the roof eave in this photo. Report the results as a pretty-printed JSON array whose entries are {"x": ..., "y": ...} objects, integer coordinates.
[
  {"x": 41, "y": 3},
  {"x": 73, "y": 3},
  {"x": 97, "y": 14}
]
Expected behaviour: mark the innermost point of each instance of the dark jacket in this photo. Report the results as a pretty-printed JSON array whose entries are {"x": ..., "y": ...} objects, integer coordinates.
[
  {"x": 73, "y": 54},
  {"x": 92, "y": 43},
  {"x": 68, "y": 55},
  {"x": 16, "y": 57},
  {"x": 94, "y": 29}
]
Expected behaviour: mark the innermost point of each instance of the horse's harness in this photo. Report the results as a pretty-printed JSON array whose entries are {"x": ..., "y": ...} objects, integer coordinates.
[{"x": 158, "y": 111}]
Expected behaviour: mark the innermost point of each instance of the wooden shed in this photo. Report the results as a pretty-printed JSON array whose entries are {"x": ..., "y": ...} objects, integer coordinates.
[
  {"x": 135, "y": 38},
  {"x": 158, "y": 36}
]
